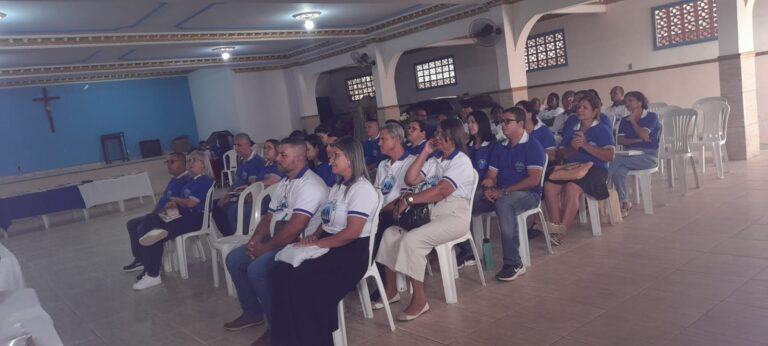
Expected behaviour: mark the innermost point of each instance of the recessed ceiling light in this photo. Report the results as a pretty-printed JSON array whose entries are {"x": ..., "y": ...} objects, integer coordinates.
[
  {"x": 307, "y": 17},
  {"x": 2, "y": 15},
  {"x": 224, "y": 51}
]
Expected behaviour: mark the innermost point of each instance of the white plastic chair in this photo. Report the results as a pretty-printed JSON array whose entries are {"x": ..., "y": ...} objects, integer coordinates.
[
  {"x": 522, "y": 226},
  {"x": 589, "y": 203},
  {"x": 447, "y": 257},
  {"x": 340, "y": 334},
  {"x": 643, "y": 187},
  {"x": 226, "y": 244},
  {"x": 229, "y": 161},
  {"x": 656, "y": 106},
  {"x": 373, "y": 272},
  {"x": 178, "y": 248},
  {"x": 662, "y": 152},
  {"x": 714, "y": 131},
  {"x": 678, "y": 125}
]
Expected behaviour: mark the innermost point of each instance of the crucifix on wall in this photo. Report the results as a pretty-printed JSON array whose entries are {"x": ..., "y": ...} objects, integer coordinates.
[{"x": 46, "y": 100}]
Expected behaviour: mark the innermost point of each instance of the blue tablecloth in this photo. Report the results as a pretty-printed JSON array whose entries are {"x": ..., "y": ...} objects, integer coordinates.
[{"x": 39, "y": 203}]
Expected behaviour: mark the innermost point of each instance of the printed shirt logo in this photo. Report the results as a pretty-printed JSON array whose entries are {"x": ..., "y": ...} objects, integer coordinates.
[
  {"x": 519, "y": 166},
  {"x": 387, "y": 185},
  {"x": 482, "y": 164},
  {"x": 328, "y": 210},
  {"x": 282, "y": 205},
  {"x": 244, "y": 175}
]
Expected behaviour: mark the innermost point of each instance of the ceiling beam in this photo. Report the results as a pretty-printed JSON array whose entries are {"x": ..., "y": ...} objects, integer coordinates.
[{"x": 581, "y": 9}]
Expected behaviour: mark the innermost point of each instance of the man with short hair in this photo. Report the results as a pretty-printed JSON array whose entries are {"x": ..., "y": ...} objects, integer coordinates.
[
  {"x": 512, "y": 185},
  {"x": 294, "y": 207},
  {"x": 176, "y": 165},
  {"x": 249, "y": 167},
  {"x": 617, "y": 109},
  {"x": 371, "y": 145}
]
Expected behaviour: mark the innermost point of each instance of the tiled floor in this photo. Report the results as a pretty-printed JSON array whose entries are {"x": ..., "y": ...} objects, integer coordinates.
[{"x": 694, "y": 273}]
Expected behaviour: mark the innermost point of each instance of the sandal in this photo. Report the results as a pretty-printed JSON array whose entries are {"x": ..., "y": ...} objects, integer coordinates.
[{"x": 556, "y": 239}]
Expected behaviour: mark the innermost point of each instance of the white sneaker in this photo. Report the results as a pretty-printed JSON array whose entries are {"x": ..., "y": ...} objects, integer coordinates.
[
  {"x": 153, "y": 237},
  {"x": 147, "y": 282}
]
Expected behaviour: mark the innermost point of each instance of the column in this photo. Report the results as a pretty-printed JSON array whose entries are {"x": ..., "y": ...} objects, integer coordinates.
[
  {"x": 736, "y": 65},
  {"x": 510, "y": 59},
  {"x": 384, "y": 79}
]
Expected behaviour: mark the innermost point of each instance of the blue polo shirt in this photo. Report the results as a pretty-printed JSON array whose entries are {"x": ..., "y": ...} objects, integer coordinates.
[
  {"x": 197, "y": 188},
  {"x": 324, "y": 171},
  {"x": 512, "y": 162},
  {"x": 416, "y": 149},
  {"x": 598, "y": 135},
  {"x": 573, "y": 120},
  {"x": 545, "y": 137},
  {"x": 480, "y": 157},
  {"x": 248, "y": 168},
  {"x": 173, "y": 189},
  {"x": 270, "y": 168},
  {"x": 372, "y": 151},
  {"x": 649, "y": 121}
]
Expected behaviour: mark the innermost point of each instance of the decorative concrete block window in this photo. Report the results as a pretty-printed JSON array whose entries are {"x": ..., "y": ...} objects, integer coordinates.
[
  {"x": 359, "y": 87},
  {"x": 545, "y": 50},
  {"x": 684, "y": 22},
  {"x": 435, "y": 73}
]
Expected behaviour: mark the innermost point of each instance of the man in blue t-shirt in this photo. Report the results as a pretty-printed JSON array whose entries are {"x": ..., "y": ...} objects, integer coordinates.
[
  {"x": 249, "y": 167},
  {"x": 511, "y": 186},
  {"x": 176, "y": 164}
]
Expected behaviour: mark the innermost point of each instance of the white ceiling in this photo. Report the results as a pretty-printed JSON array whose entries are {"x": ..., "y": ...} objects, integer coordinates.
[{"x": 62, "y": 41}]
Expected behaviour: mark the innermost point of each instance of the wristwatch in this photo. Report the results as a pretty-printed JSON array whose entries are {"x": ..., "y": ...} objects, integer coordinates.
[{"x": 409, "y": 200}]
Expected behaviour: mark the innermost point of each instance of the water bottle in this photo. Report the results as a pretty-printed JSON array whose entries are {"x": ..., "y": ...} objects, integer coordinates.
[{"x": 488, "y": 254}]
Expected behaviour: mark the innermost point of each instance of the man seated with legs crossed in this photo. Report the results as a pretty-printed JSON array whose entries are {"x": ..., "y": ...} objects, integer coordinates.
[
  {"x": 294, "y": 207},
  {"x": 512, "y": 186},
  {"x": 176, "y": 164}
]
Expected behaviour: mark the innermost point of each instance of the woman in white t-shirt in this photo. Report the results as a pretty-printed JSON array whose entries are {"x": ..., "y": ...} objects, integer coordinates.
[
  {"x": 449, "y": 183},
  {"x": 305, "y": 297}
]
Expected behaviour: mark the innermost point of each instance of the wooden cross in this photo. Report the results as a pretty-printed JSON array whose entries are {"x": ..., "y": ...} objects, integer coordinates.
[{"x": 46, "y": 100}]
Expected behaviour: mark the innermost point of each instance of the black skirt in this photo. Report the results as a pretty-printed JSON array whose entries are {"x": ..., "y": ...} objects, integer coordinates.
[
  {"x": 304, "y": 298},
  {"x": 595, "y": 183}
]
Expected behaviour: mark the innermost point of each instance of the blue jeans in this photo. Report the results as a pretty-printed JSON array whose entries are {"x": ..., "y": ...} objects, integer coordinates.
[
  {"x": 621, "y": 165},
  {"x": 253, "y": 282},
  {"x": 507, "y": 207}
]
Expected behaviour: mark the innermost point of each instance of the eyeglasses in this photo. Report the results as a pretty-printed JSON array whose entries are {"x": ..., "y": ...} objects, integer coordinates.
[{"x": 508, "y": 121}]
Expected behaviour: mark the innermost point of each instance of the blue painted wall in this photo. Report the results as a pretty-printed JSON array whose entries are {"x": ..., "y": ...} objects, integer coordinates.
[{"x": 142, "y": 109}]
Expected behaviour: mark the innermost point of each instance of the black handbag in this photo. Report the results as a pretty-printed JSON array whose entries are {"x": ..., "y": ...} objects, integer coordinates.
[{"x": 414, "y": 216}]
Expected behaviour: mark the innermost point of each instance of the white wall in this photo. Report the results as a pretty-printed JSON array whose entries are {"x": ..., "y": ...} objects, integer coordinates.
[
  {"x": 476, "y": 72},
  {"x": 213, "y": 101},
  {"x": 760, "y": 22},
  {"x": 606, "y": 43},
  {"x": 265, "y": 107}
]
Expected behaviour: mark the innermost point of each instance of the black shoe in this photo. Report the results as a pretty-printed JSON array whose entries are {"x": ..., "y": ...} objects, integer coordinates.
[
  {"x": 134, "y": 266},
  {"x": 465, "y": 261},
  {"x": 240, "y": 323},
  {"x": 509, "y": 272},
  {"x": 533, "y": 233},
  {"x": 138, "y": 277},
  {"x": 375, "y": 296}
]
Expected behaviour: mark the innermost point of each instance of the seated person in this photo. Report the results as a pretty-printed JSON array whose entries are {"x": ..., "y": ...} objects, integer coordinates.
[
  {"x": 547, "y": 116},
  {"x": 479, "y": 148},
  {"x": 618, "y": 108},
  {"x": 573, "y": 120},
  {"x": 269, "y": 175},
  {"x": 509, "y": 190},
  {"x": 305, "y": 297},
  {"x": 317, "y": 156},
  {"x": 569, "y": 107},
  {"x": 591, "y": 141},
  {"x": 176, "y": 164},
  {"x": 537, "y": 130},
  {"x": 249, "y": 166},
  {"x": 640, "y": 130},
  {"x": 183, "y": 214},
  {"x": 496, "y": 113},
  {"x": 451, "y": 179},
  {"x": 294, "y": 206},
  {"x": 371, "y": 145},
  {"x": 417, "y": 137},
  {"x": 322, "y": 131}
]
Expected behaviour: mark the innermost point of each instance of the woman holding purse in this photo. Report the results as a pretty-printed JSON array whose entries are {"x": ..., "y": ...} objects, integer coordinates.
[
  {"x": 451, "y": 177},
  {"x": 586, "y": 152}
]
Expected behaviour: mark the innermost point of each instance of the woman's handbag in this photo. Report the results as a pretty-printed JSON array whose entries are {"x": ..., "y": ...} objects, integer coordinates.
[
  {"x": 416, "y": 215},
  {"x": 571, "y": 171}
]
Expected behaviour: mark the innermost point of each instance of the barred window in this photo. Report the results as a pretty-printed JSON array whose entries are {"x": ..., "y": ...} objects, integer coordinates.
[
  {"x": 684, "y": 22},
  {"x": 546, "y": 50},
  {"x": 359, "y": 87},
  {"x": 435, "y": 73}
]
